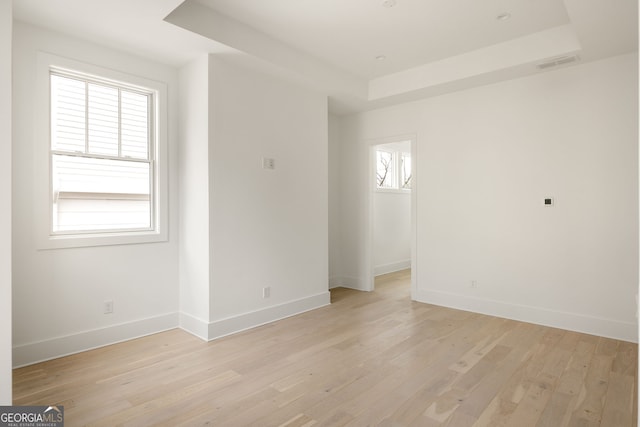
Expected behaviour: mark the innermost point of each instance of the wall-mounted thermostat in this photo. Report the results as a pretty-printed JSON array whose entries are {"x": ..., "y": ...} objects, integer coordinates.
[{"x": 548, "y": 201}]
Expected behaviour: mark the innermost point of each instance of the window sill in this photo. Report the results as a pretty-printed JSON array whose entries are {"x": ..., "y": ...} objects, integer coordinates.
[
  {"x": 83, "y": 195},
  {"x": 101, "y": 239},
  {"x": 393, "y": 191}
]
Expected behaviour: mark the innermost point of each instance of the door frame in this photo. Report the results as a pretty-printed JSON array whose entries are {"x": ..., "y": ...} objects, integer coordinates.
[{"x": 371, "y": 187}]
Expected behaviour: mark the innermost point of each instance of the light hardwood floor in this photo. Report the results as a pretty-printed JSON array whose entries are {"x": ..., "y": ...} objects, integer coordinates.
[{"x": 368, "y": 359}]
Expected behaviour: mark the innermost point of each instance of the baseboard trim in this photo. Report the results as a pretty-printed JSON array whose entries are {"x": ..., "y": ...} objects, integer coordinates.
[
  {"x": 41, "y": 351},
  {"x": 391, "y": 267},
  {"x": 194, "y": 326},
  {"x": 347, "y": 282},
  {"x": 335, "y": 282},
  {"x": 231, "y": 325},
  {"x": 28, "y": 354},
  {"x": 608, "y": 328}
]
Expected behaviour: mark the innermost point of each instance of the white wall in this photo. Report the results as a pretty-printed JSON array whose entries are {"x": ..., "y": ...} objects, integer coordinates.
[
  {"x": 486, "y": 159},
  {"x": 244, "y": 228},
  {"x": 58, "y": 294},
  {"x": 391, "y": 232},
  {"x": 6, "y": 23},
  {"x": 334, "y": 185},
  {"x": 268, "y": 228},
  {"x": 194, "y": 196}
]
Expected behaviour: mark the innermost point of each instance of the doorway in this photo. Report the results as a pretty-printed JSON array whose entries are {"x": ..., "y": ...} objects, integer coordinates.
[{"x": 392, "y": 183}]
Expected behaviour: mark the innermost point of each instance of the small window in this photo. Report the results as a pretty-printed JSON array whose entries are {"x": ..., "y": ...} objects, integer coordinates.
[
  {"x": 405, "y": 171},
  {"x": 393, "y": 170},
  {"x": 102, "y": 174},
  {"x": 385, "y": 169}
]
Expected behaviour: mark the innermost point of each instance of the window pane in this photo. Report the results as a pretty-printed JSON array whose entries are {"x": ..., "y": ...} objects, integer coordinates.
[
  {"x": 74, "y": 215},
  {"x": 100, "y": 194},
  {"x": 135, "y": 125},
  {"x": 406, "y": 176},
  {"x": 67, "y": 114},
  {"x": 103, "y": 120},
  {"x": 385, "y": 170}
]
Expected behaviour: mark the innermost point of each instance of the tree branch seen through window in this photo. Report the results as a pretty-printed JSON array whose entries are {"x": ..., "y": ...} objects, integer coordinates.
[
  {"x": 393, "y": 170},
  {"x": 385, "y": 160}
]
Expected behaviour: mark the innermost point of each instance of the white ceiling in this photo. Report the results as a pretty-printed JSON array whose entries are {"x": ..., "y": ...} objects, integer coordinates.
[
  {"x": 431, "y": 46},
  {"x": 351, "y": 33},
  {"x": 135, "y": 26}
]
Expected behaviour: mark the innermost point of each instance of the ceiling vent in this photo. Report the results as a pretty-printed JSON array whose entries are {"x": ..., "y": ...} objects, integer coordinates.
[{"x": 558, "y": 61}]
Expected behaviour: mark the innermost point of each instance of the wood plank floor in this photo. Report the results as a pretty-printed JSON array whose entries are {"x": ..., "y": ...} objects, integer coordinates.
[{"x": 368, "y": 359}]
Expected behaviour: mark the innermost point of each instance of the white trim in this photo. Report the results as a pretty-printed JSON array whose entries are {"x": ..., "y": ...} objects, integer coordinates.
[
  {"x": 391, "y": 267},
  {"x": 335, "y": 282},
  {"x": 35, "y": 352},
  {"x": 194, "y": 326},
  {"x": 414, "y": 218},
  {"x": 592, "y": 325},
  {"x": 406, "y": 191},
  {"x": 348, "y": 282},
  {"x": 44, "y": 238},
  {"x": 231, "y": 325}
]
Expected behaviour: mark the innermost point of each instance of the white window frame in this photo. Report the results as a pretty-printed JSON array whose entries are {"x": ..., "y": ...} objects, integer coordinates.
[
  {"x": 45, "y": 237},
  {"x": 396, "y": 157}
]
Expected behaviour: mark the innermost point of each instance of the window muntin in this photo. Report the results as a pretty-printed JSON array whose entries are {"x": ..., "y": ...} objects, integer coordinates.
[{"x": 101, "y": 156}]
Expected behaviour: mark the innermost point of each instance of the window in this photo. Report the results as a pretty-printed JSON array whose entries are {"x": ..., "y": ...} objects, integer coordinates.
[
  {"x": 405, "y": 171},
  {"x": 385, "y": 169},
  {"x": 393, "y": 170},
  {"x": 105, "y": 183},
  {"x": 101, "y": 156}
]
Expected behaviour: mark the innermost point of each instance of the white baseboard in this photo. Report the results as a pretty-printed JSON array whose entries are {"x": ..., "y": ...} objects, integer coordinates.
[
  {"x": 347, "y": 282},
  {"x": 336, "y": 282},
  {"x": 28, "y": 354},
  {"x": 195, "y": 326},
  {"x": 609, "y": 328},
  {"x": 231, "y": 325},
  {"x": 391, "y": 267}
]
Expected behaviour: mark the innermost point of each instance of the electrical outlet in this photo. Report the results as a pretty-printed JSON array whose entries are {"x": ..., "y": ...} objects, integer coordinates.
[
  {"x": 266, "y": 292},
  {"x": 474, "y": 284},
  {"x": 108, "y": 307}
]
